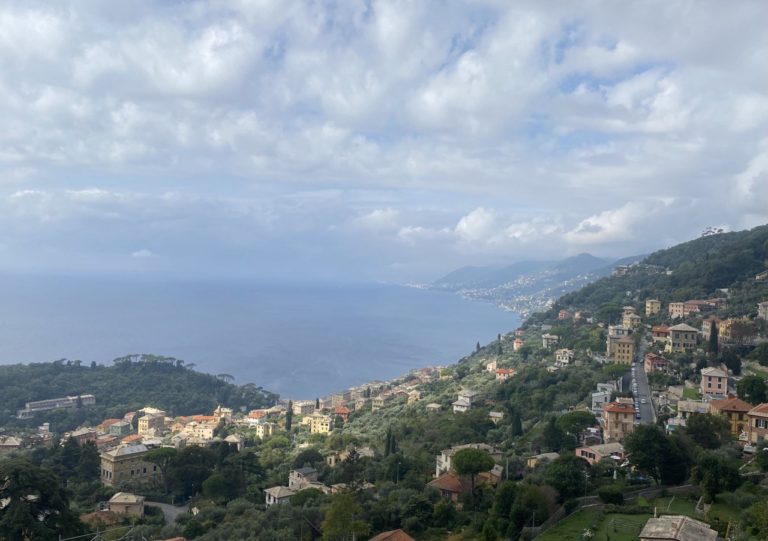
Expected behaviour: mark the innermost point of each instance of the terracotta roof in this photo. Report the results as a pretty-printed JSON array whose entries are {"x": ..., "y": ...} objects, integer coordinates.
[
  {"x": 393, "y": 535},
  {"x": 618, "y": 407},
  {"x": 659, "y": 328},
  {"x": 761, "y": 410},
  {"x": 450, "y": 482},
  {"x": 506, "y": 371},
  {"x": 341, "y": 410},
  {"x": 731, "y": 404}
]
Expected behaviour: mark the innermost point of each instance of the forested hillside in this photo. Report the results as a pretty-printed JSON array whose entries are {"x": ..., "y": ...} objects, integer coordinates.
[
  {"x": 128, "y": 384},
  {"x": 692, "y": 270}
]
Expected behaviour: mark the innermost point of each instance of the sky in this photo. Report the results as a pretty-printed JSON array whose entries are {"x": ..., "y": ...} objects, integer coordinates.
[{"x": 375, "y": 140}]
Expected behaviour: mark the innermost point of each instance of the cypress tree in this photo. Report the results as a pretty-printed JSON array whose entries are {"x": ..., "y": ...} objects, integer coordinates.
[{"x": 289, "y": 416}]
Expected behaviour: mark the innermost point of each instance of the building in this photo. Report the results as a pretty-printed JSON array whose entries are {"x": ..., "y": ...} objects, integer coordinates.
[
  {"x": 9, "y": 443},
  {"x": 618, "y": 420},
  {"x": 125, "y": 463},
  {"x": 686, "y": 408},
  {"x": 735, "y": 410},
  {"x": 758, "y": 424},
  {"x": 599, "y": 400},
  {"x": 491, "y": 366},
  {"x": 564, "y": 314},
  {"x": 451, "y": 486},
  {"x": 676, "y": 309},
  {"x": 413, "y": 396},
  {"x": 625, "y": 350},
  {"x": 714, "y": 382},
  {"x": 615, "y": 333},
  {"x": 533, "y": 461},
  {"x": 503, "y": 374},
  {"x": 392, "y": 535},
  {"x": 320, "y": 424},
  {"x": 30, "y": 408},
  {"x": 564, "y": 357},
  {"x": 595, "y": 453},
  {"x": 660, "y": 333},
  {"x": 495, "y": 416},
  {"x": 202, "y": 431},
  {"x": 277, "y": 495},
  {"x": 127, "y": 504},
  {"x": 762, "y": 310},
  {"x": 677, "y": 528},
  {"x": 652, "y": 307},
  {"x": 120, "y": 429},
  {"x": 379, "y": 402},
  {"x": 151, "y": 424},
  {"x": 343, "y": 412},
  {"x": 518, "y": 344},
  {"x": 707, "y": 326},
  {"x": 631, "y": 321},
  {"x": 655, "y": 363},
  {"x": 682, "y": 338},
  {"x": 549, "y": 340},
  {"x": 433, "y": 407},
  {"x": 303, "y": 407},
  {"x": 301, "y": 478},
  {"x": 443, "y": 461}
]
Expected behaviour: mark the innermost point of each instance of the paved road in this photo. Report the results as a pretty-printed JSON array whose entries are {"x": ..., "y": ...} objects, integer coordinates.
[
  {"x": 170, "y": 511},
  {"x": 647, "y": 414}
]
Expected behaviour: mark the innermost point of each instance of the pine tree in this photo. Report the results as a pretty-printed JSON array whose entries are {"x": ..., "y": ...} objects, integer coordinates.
[
  {"x": 713, "y": 338},
  {"x": 517, "y": 424}
]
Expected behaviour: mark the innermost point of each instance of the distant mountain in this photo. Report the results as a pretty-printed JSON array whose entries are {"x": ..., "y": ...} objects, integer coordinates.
[
  {"x": 528, "y": 286},
  {"x": 714, "y": 265}
]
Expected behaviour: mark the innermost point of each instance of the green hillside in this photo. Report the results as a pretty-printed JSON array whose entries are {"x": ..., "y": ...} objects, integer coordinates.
[
  {"x": 129, "y": 384},
  {"x": 692, "y": 270}
]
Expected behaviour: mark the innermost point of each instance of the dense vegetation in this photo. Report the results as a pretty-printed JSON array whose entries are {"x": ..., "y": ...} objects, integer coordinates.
[
  {"x": 698, "y": 269},
  {"x": 129, "y": 384}
]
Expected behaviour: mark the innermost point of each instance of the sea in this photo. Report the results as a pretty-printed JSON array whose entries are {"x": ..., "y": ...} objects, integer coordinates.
[{"x": 300, "y": 340}]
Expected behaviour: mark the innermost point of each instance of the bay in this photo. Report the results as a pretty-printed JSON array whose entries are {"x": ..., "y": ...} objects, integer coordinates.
[{"x": 299, "y": 340}]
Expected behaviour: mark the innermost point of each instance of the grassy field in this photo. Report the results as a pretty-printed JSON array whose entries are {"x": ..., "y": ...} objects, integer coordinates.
[
  {"x": 615, "y": 526},
  {"x": 691, "y": 393}
]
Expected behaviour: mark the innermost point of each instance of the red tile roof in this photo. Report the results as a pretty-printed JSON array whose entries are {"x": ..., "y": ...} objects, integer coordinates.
[
  {"x": 731, "y": 404},
  {"x": 450, "y": 482},
  {"x": 618, "y": 407},
  {"x": 761, "y": 410}
]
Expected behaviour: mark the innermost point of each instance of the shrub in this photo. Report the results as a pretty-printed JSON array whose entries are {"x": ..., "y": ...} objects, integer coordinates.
[{"x": 611, "y": 494}]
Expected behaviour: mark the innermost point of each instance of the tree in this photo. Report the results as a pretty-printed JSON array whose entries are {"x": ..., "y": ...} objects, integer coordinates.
[
  {"x": 715, "y": 474},
  {"x": 654, "y": 453},
  {"x": 390, "y": 443},
  {"x": 477, "y": 347},
  {"x": 162, "y": 457},
  {"x": 576, "y": 422},
  {"x": 516, "y": 424},
  {"x": 552, "y": 436},
  {"x": 289, "y": 416},
  {"x": 307, "y": 456},
  {"x": 35, "y": 506},
  {"x": 731, "y": 360},
  {"x": 714, "y": 341},
  {"x": 752, "y": 389},
  {"x": 471, "y": 462},
  {"x": 568, "y": 474},
  {"x": 342, "y": 519},
  {"x": 89, "y": 463},
  {"x": 760, "y": 354},
  {"x": 531, "y": 506},
  {"x": 317, "y": 403},
  {"x": 709, "y": 431}
]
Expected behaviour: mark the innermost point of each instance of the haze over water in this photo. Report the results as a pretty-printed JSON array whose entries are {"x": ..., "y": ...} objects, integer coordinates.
[{"x": 297, "y": 340}]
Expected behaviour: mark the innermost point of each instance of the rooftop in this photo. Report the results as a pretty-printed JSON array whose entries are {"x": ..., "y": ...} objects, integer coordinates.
[
  {"x": 731, "y": 404},
  {"x": 392, "y": 535},
  {"x": 126, "y": 497},
  {"x": 682, "y": 327},
  {"x": 677, "y": 528},
  {"x": 618, "y": 407}
]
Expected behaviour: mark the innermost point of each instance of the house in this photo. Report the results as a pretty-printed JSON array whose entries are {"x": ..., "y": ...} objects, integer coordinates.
[
  {"x": 304, "y": 407},
  {"x": 708, "y": 325},
  {"x": 564, "y": 314},
  {"x": 392, "y": 535},
  {"x": 151, "y": 424},
  {"x": 491, "y": 366},
  {"x": 625, "y": 350},
  {"x": 762, "y": 276},
  {"x": 762, "y": 310},
  {"x": 120, "y": 429},
  {"x": 660, "y": 333},
  {"x": 343, "y": 412},
  {"x": 202, "y": 431},
  {"x": 655, "y": 363},
  {"x": 278, "y": 495},
  {"x": 264, "y": 430},
  {"x": 236, "y": 441},
  {"x": 714, "y": 382},
  {"x": 615, "y": 333},
  {"x": 495, "y": 416},
  {"x": 549, "y": 340},
  {"x": 341, "y": 399},
  {"x": 518, "y": 344},
  {"x": 758, "y": 423},
  {"x": 652, "y": 307},
  {"x": 443, "y": 461},
  {"x": 599, "y": 400},
  {"x": 30, "y": 408},
  {"x": 595, "y": 453},
  {"x": 618, "y": 420},
  {"x": 9, "y": 443},
  {"x": 301, "y": 477},
  {"x": 679, "y": 309},
  {"x": 434, "y": 407},
  {"x": 534, "y": 460},
  {"x": 677, "y": 528},
  {"x": 126, "y": 463},
  {"x": 564, "y": 357},
  {"x": 222, "y": 414},
  {"x": 686, "y": 408},
  {"x": 127, "y": 504},
  {"x": 319, "y": 423},
  {"x": 82, "y": 435},
  {"x": 631, "y": 321},
  {"x": 503, "y": 374},
  {"x": 735, "y": 410},
  {"x": 413, "y": 397},
  {"x": 451, "y": 486},
  {"x": 379, "y": 402},
  {"x": 682, "y": 338}
]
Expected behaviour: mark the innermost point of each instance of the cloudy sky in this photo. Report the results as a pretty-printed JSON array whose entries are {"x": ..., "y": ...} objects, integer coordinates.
[{"x": 373, "y": 140}]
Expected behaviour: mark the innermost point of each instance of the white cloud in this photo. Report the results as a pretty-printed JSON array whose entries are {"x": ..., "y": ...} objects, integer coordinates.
[{"x": 142, "y": 254}]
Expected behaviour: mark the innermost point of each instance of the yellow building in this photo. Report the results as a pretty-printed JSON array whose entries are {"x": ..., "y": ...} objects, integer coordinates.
[
  {"x": 319, "y": 424},
  {"x": 652, "y": 307},
  {"x": 151, "y": 424},
  {"x": 624, "y": 352},
  {"x": 618, "y": 420},
  {"x": 125, "y": 463},
  {"x": 735, "y": 410},
  {"x": 682, "y": 338},
  {"x": 631, "y": 321}
]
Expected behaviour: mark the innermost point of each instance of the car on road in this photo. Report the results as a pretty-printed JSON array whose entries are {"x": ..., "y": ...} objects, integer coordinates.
[{"x": 643, "y": 401}]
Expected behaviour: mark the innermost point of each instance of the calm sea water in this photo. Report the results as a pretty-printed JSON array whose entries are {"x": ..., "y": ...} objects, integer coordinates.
[{"x": 297, "y": 340}]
